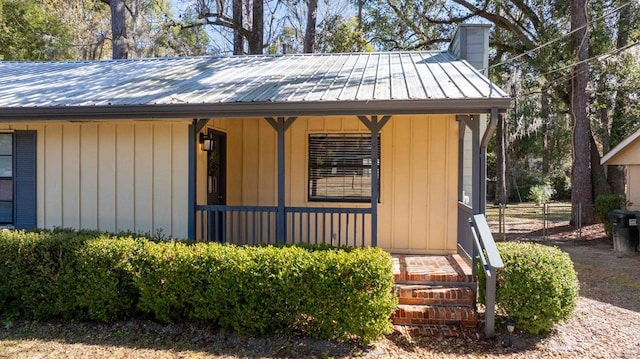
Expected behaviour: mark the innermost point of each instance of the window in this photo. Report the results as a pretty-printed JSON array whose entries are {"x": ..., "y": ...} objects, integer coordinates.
[
  {"x": 340, "y": 167},
  {"x": 6, "y": 179}
]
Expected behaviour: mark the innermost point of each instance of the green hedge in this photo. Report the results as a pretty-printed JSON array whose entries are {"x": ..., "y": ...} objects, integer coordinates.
[
  {"x": 537, "y": 287},
  {"x": 604, "y": 205},
  {"x": 65, "y": 274},
  {"x": 324, "y": 293}
]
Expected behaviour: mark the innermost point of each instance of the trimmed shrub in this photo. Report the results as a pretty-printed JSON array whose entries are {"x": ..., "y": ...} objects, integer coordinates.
[
  {"x": 67, "y": 274},
  {"x": 102, "y": 283},
  {"x": 328, "y": 294},
  {"x": 537, "y": 287},
  {"x": 604, "y": 205},
  {"x": 325, "y": 293}
]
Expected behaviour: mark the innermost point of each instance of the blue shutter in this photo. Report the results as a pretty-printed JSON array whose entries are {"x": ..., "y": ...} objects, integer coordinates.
[{"x": 25, "y": 179}]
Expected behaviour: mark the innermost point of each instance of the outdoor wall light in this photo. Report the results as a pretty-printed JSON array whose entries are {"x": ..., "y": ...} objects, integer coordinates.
[
  {"x": 511, "y": 326},
  {"x": 207, "y": 143}
]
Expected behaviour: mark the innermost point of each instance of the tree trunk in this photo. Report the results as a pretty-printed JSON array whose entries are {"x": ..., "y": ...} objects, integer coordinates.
[
  {"x": 616, "y": 178},
  {"x": 119, "y": 40},
  {"x": 310, "y": 31},
  {"x": 359, "y": 17},
  {"x": 615, "y": 173},
  {"x": 598, "y": 176},
  {"x": 581, "y": 185},
  {"x": 238, "y": 40},
  {"x": 256, "y": 39},
  {"x": 501, "y": 161},
  {"x": 546, "y": 158},
  {"x": 624, "y": 24}
]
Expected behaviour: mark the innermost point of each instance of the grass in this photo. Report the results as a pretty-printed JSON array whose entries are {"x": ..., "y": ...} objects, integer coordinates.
[
  {"x": 139, "y": 339},
  {"x": 514, "y": 212}
]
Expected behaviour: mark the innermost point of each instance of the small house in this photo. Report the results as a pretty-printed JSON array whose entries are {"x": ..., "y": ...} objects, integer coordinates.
[
  {"x": 367, "y": 149},
  {"x": 627, "y": 153}
]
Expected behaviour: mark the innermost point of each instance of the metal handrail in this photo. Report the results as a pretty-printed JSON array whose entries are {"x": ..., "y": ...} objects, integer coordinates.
[{"x": 486, "y": 250}]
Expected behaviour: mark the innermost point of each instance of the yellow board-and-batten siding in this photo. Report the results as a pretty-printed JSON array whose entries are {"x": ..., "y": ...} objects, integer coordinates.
[
  {"x": 419, "y": 160},
  {"x": 133, "y": 175},
  {"x": 112, "y": 176},
  {"x": 630, "y": 157}
]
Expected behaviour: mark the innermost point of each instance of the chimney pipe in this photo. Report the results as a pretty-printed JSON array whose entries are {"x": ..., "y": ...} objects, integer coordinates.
[{"x": 471, "y": 42}]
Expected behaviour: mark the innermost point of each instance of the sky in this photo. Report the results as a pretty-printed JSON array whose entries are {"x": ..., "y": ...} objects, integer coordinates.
[{"x": 220, "y": 38}]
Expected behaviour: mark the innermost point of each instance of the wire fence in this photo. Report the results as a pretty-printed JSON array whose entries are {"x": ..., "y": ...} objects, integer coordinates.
[{"x": 548, "y": 221}]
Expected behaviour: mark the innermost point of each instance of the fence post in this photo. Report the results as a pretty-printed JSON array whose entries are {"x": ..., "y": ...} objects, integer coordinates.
[
  {"x": 503, "y": 229},
  {"x": 580, "y": 220},
  {"x": 544, "y": 220}
]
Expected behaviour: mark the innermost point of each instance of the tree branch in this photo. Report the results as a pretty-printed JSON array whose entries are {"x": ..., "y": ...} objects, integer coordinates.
[
  {"x": 535, "y": 20},
  {"x": 499, "y": 21},
  {"x": 220, "y": 20}
]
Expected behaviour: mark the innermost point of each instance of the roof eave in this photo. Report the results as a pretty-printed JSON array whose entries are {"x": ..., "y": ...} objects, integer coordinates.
[
  {"x": 255, "y": 109},
  {"x": 622, "y": 145}
]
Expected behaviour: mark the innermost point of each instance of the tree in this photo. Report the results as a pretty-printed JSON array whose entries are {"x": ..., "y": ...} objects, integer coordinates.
[
  {"x": 29, "y": 30},
  {"x": 625, "y": 112},
  {"x": 581, "y": 181},
  {"x": 310, "y": 31},
  {"x": 405, "y": 24},
  {"x": 339, "y": 35},
  {"x": 238, "y": 40},
  {"x": 119, "y": 40},
  {"x": 501, "y": 162},
  {"x": 217, "y": 13}
]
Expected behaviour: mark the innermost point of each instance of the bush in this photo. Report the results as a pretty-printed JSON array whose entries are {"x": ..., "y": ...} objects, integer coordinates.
[
  {"x": 537, "y": 287},
  {"x": 541, "y": 193},
  {"x": 67, "y": 274},
  {"x": 328, "y": 294},
  {"x": 325, "y": 293},
  {"x": 561, "y": 184},
  {"x": 604, "y": 205}
]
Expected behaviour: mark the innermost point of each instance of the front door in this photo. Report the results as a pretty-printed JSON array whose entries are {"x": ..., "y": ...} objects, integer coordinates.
[{"x": 217, "y": 183}]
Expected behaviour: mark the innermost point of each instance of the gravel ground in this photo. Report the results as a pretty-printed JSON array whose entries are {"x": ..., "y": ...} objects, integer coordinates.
[{"x": 606, "y": 324}]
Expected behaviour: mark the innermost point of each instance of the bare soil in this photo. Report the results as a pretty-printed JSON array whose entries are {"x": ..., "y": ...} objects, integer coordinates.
[{"x": 606, "y": 324}]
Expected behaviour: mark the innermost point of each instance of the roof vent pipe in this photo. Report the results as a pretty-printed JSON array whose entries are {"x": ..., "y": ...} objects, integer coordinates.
[{"x": 471, "y": 42}]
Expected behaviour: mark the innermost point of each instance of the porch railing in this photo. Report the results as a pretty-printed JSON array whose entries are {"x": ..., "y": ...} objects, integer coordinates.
[
  {"x": 465, "y": 239},
  {"x": 236, "y": 224},
  {"x": 249, "y": 225},
  {"x": 487, "y": 252},
  {"x": 334, "y": 226}
]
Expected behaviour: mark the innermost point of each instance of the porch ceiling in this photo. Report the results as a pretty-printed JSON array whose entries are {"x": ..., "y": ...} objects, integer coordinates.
[{"x": 247, "y": 86}]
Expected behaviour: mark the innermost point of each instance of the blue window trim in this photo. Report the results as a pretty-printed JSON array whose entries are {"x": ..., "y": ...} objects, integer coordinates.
[{"x": 24, "y": 180}]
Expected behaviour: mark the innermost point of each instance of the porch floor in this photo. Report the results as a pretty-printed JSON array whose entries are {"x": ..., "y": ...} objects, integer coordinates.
[{"x": 430, "y": 268}]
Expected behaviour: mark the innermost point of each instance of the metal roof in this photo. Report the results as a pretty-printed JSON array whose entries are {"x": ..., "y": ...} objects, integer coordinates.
[{"x": 356, "y": 83}]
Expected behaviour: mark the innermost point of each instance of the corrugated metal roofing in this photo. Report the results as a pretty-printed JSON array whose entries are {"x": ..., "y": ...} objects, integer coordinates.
[{"x": 357, "y": 79}]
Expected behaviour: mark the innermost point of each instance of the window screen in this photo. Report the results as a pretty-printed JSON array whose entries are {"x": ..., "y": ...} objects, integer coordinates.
[{"x": 340, "y": 167}]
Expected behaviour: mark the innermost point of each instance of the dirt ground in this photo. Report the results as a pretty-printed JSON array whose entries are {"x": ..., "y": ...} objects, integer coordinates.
[{"x": 606, "y": 324}]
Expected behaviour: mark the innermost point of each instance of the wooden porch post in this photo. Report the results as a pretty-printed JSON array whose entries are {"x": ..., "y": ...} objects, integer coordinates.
[
  {"x": 491, "y": 127},
  {"x": 281, "y": 124},
  {"x": 191, "y": 191},
  {"x": 194, "y": 128},
  {"x": 374, "y": 125},
  {"x": 476, "y": 180}
]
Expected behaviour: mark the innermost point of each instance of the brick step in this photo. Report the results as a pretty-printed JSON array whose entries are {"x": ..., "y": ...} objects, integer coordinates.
[
  {"x": 441, "y": 331},
  {"x": 408, "y": 314},
  {"x": 414, "y": 269},
  {"x": 433, "y": 295}
]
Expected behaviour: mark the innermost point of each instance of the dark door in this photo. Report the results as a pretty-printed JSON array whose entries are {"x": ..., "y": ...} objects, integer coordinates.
[{"x": 217, "y": 183}]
